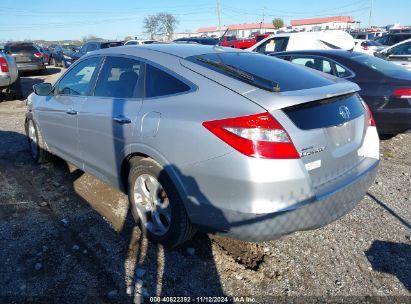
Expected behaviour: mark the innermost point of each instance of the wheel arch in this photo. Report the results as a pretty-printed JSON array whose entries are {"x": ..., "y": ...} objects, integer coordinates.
[{"x": 143, "y": 151}]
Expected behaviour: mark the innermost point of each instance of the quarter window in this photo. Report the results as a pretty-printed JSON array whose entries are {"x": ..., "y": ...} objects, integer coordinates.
[
  {"x": 119, "y": 78},
  {"x": 160, "y": 83},
  {"x": 341, "y": 71},
  {"x": 77, "y": 81}
]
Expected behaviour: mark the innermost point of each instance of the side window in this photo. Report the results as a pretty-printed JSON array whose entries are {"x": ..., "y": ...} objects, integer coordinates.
[
  {"x": 77, "y": 81},
  {"x": 308, "y": 62},
  {"x": 403, "y": 49},
  {"x": 278, "y": 44},
  {"x": 160, "y": 83},
  {"x": 383, "y": 39},
  {"x": 319, "y": 64},
  {"x": 119, "y": 78},
  {"x": 341, "y": 71},
  {"x": 287, "y": 58},
  {"x": 91, "y": 47}
]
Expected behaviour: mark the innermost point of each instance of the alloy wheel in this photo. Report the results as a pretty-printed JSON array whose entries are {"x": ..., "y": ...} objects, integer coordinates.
[{"x": 152, "y": 204}]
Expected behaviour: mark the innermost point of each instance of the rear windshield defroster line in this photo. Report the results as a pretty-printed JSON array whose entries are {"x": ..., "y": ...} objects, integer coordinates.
[{"x": 255, "y": 80}]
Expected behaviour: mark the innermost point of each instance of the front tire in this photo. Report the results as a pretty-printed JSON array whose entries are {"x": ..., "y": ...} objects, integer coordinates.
[
  {"x": 156, "y": 204},
  {"x": 36, "y": 142}
]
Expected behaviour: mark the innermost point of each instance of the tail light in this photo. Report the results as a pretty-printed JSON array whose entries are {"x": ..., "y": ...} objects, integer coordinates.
[
  {"x": 4, "y": 67},
  {"x": 38, "y": 55},
  {"x": 365, "y": 47},
  {"x": 258, "y": 135},
  {"x": 371, "y": 121},
  {"x": 402, "y": 93}
]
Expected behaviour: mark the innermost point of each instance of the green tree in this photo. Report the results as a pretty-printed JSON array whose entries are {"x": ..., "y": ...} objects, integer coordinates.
[{"x": 278, "y": 23}]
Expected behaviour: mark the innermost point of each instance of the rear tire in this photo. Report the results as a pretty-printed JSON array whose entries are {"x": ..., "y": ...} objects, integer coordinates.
[
  {"x": 36, "y": 142},
  {"x": 156, "y": 204}
]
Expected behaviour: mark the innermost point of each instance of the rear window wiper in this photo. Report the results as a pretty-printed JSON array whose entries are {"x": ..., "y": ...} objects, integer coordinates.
[{"x": 255, "y": 80}]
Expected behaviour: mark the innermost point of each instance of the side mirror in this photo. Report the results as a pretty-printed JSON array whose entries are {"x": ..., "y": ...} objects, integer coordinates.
[{"x": 42, "y": 89}]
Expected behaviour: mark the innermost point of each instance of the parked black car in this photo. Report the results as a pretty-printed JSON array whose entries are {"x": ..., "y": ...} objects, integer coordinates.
[
  {"x": 385, "y": 87},
  {"x": 95, "y": 45},
  {"x": 64, "y": 55},
  {"x": 27, "y": 56},
  {"x": 199, "y": 40}
]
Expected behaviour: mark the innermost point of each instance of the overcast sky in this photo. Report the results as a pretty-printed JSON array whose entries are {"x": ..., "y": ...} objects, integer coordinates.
[{"x": 58, "y": 20}]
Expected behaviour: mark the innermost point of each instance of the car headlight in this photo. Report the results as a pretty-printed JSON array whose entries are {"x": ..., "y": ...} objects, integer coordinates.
[{"x": 67, "y": 57}]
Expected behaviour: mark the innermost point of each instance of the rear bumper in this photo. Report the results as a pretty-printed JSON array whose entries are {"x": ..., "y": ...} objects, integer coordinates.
[
  {"x": 5, "y": 81},
  {"x": 321, "y": 210},
  {"x": 30, "y": 66},
  {"x": 325, "y": 205},
  {"x": 393, "y": 121}
]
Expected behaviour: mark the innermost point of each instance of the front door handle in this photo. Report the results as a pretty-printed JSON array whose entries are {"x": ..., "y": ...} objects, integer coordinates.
[
  {"x": 122, "y": 120},
  {"x": 71, "y": 112}
]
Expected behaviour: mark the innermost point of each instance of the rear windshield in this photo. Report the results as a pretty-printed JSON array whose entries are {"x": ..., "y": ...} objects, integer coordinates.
[
  {"x": 288, "y": 76},
  {"x": 110, "y": 44},
  {"x": 21, "y": 48},
  {"x": 385, "y": 67},
  {"x": 207, "y": 41}
]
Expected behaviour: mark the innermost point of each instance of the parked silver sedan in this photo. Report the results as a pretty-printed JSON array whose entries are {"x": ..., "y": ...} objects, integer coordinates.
[{"x": 209, "y": 138}]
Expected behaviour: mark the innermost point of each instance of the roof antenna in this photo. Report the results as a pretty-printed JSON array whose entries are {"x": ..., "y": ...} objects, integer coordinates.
[{"x": 222, "y": 37}]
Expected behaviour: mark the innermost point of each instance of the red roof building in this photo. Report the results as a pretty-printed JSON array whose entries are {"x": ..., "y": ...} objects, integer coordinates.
[{"x": 344, "y": 19}]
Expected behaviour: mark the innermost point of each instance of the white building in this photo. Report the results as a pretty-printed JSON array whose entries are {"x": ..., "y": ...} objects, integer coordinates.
[{"x": 326, "y": 23}]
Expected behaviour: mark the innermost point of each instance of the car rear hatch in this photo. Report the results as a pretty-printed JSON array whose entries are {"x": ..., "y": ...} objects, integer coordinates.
[
  {"x": 24, "y": 53},
  {"x": 328, "y": 134},
  {"x": 323, "y": 115}
]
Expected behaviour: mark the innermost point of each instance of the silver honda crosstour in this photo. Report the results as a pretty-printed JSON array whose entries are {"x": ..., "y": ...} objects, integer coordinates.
[{"x": 210, "y": 138}]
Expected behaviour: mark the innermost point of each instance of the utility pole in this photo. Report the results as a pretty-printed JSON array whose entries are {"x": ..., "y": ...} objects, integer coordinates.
[
  {"x": 369, "y": 18},
  {"x": 263, "y": 19},
  {"x": 219, "y": 18}
]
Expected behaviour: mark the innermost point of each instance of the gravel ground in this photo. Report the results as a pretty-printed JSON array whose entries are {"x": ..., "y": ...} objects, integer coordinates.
[{"x": 67, "y": 237}]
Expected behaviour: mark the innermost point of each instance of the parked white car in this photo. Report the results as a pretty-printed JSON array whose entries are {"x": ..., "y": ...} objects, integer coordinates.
[
  {"x": 324, "y": 40},
  {"x": 9, "y": 77},
  {"x": 399, "y": 53}
]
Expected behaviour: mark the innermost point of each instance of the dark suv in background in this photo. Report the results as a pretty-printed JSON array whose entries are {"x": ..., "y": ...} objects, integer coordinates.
[
  {"x": 95, "y": 45},
  {"x": 391, "y": 39},
  {"x": 199, "y": 40},
  {"x": 27, "y": 56}
]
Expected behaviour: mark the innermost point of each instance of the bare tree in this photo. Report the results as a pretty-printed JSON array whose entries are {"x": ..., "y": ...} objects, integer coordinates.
[
  {"x": 151, "y": 25},
  {"x": 161, "y": 24},
  {"x": 168, "y": 23}
]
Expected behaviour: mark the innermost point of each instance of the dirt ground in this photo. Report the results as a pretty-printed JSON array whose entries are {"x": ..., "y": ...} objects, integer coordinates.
[{"x": 66, "y": 237}]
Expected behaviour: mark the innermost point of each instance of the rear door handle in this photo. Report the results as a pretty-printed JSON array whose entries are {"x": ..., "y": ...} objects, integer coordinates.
[
  {"x": 71, "y": 112},
  {"x": 122, "y": 120}
]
